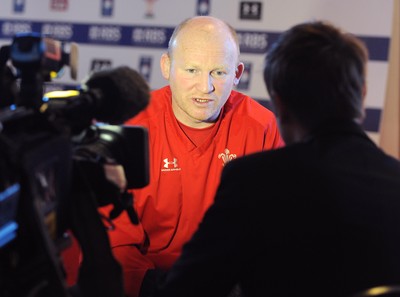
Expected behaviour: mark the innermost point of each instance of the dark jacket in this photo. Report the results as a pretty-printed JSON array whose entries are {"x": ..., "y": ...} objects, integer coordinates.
[{"x": 317, "y": 218}]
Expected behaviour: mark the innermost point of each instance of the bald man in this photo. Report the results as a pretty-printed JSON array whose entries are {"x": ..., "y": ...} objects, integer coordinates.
[{"x": 197, "y": 124}]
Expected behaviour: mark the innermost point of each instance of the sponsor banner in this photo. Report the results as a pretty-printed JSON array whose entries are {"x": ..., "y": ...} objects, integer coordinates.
[
  {"x": 102, "y": 34},
  {"x": 252, "y": 42}
]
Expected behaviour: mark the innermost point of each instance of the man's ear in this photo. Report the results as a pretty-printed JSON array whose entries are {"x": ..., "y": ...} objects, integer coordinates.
[
  {"x": 165, "y": 65},
  {"x": 238, "y": 73}
]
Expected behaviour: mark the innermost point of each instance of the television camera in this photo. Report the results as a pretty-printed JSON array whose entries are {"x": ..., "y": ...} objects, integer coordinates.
[{"x": 53, "y": 148}]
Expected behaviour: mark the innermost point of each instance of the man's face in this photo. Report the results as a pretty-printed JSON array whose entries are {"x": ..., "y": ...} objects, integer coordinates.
[{"x": 202, "y": 72}]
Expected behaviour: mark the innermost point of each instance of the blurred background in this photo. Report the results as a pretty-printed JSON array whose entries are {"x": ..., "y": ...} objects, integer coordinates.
[{"x": 110, "y": 33}]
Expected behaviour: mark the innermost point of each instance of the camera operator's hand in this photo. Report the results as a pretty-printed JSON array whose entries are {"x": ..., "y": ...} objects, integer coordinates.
[
  {"x": 107, "y": 182},
  {"x": 115, "y": 173}
]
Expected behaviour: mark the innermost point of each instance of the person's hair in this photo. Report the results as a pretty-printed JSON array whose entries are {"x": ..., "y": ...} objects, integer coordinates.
[
  {"x": 318, "y": 72},
  {"x": 188, "y": 20}
]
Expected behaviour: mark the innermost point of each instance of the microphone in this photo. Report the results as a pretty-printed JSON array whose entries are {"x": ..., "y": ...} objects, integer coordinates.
[
  {"x": 111, "y": 96},
  {"x": 118, "y": 94}
]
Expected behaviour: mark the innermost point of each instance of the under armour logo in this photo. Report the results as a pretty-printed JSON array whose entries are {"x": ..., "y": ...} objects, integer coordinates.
[
  {"x": 167, "y": 163},
  {"x": 226, "y": 156}
]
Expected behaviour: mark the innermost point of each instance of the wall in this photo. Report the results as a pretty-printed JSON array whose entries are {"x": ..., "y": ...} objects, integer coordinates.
[{"x": 110, "y": 33}]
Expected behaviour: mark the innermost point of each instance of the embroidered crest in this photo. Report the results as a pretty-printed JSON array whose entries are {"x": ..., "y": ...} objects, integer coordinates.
[{"x": 226, "y": 156}]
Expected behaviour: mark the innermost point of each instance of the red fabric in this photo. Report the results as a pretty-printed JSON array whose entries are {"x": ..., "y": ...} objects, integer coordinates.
[
  {"x": 184, "y": 178},
  {"x": 136, "y": 269},
  {"x": 197, "y": 136},
  {"x": 70, "y": 257}
]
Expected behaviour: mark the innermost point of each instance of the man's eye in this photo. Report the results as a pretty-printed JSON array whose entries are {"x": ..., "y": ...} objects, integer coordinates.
[
  {"x": 191, "y": 70},
  {"x": 218, "y": 73}
]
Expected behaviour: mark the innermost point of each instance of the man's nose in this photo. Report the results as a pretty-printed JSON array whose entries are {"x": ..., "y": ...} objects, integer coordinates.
[{"x": 206, "y": 84}]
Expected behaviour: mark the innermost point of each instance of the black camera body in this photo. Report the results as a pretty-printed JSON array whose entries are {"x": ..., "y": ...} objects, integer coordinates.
[
  {"x": 39, "y": 166},
  {"x": 49, "y": 169}
]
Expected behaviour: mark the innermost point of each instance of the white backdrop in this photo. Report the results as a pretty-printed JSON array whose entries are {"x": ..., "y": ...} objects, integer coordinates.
[{"x": 110, "y": 33}]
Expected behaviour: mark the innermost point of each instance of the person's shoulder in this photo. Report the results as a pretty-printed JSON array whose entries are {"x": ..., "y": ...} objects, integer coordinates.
[
  {"x": 246, "y": 105},
  {"x": 160, "y": 97},
  {"x": 159, "y": 103},
  {"x": 258, "y": 167},
  {"x": 244, "y": 109},
  {"x": 258, "y": 160},
  {"x": 288, "y": 156},
  {"x": 163, "y": 91}
]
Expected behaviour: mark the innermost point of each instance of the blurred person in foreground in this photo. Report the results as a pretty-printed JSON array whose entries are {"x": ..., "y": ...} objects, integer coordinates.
[
  {"x": 318, "y": 217},
  {"x": 196, "y": 125}
]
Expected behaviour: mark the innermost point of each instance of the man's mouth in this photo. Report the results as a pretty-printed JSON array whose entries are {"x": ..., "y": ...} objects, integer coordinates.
[{"x": 201, "y": 100}]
